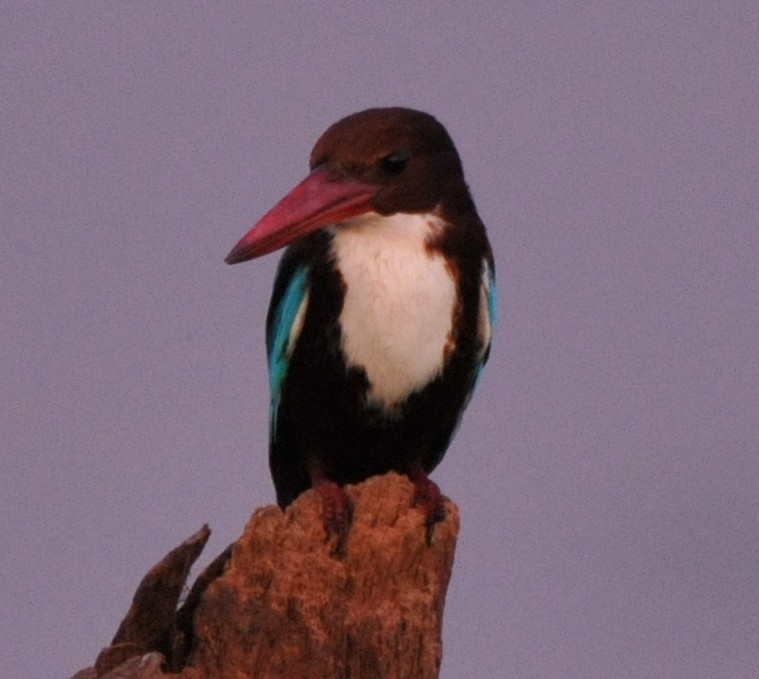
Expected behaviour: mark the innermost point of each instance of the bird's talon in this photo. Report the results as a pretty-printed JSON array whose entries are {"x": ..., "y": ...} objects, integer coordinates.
[
  {"x": 427, "y": 495},
  {"x": 337, "y": 514}
]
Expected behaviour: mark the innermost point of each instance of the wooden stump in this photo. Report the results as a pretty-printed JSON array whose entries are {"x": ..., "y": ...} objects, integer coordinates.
[{"x": 281, "y": 604}]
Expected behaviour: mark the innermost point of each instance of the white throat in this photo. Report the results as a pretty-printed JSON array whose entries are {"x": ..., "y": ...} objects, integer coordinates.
[{"x": 397, "y": 317}]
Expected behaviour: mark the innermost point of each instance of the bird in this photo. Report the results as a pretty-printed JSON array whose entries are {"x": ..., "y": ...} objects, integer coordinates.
[{"x": 382, "y": 311}]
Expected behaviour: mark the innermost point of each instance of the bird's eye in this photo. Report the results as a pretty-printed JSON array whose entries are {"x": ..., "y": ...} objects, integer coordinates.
[{"x": 396, "y": 163}]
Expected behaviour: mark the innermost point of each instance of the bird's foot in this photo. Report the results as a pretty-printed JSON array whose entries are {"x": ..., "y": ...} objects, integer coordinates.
[
  {"x": 427, "y": 495},
  {"x": 337, "y": 514}
]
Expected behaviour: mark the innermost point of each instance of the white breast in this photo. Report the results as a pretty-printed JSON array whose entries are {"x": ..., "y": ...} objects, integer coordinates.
[{"x": 397, "y": 316}]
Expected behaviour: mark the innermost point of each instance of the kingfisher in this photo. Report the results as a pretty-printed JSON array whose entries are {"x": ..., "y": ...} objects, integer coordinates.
[{"x": 382, "y": 310}]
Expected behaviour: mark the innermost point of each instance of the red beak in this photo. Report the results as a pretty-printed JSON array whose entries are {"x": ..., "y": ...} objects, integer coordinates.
[{"x": 319, "y": 200}]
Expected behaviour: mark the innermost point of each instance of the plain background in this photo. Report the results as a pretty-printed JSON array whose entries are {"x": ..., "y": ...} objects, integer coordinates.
[{"x": 607, "y": 469}]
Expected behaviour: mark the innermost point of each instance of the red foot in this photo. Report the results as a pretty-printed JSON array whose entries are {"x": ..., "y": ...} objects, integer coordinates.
[
  {"x": 429, "y": 497},
  {"x": 337, "y": 512}
]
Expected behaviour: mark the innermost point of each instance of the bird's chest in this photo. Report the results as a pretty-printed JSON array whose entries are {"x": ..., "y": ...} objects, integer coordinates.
[{"x": 397, "y": 317}]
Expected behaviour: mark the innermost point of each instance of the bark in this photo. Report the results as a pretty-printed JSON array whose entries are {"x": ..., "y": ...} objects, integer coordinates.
[{"x": 284, "y": 602}]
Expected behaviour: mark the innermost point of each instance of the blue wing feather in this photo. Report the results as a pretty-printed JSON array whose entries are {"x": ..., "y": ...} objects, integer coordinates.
[
  {"x": 280, "y": 338},
  {"x": 492, "y": 297},
  {"x": 490, "y": 309}
]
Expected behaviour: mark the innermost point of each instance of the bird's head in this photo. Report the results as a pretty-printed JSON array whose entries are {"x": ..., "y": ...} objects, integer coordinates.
[{"x": 382, "y": 160}]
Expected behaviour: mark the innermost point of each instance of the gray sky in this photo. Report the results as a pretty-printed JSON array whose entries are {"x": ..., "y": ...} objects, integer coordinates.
[{"x": 607, "y": 468}]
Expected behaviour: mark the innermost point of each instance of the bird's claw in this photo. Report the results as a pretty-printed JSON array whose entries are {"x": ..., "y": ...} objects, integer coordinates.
[
  {"x": 428, "y": 496},
  {"x": 337, "y": 514}
]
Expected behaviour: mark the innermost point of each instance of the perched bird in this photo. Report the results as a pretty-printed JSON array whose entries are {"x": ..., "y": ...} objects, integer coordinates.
[{"x": 382, "y": 309}]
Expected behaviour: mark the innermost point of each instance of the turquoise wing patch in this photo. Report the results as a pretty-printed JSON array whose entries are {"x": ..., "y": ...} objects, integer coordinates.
[
  {"x": 492, "y": 298},
  {"x": 283, "y": 334},
  {"x": 488, "y": 313}
]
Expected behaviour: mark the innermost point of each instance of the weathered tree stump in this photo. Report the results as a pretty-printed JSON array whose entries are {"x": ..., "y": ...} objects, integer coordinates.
[{"x": 282, "y": 603}]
